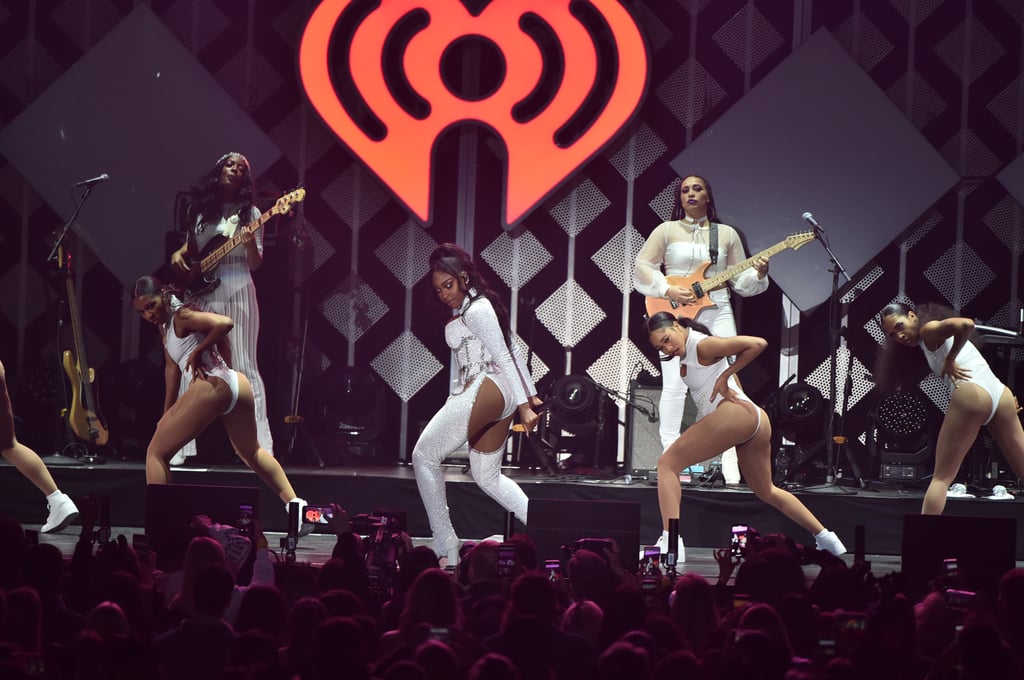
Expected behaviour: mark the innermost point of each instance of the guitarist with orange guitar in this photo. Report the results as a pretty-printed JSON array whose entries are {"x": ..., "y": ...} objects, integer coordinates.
[
  {"x": 676, "y": 257},
  {"x": 223, "y": 226}
]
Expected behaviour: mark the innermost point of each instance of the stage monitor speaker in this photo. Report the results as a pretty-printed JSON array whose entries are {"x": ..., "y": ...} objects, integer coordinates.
[
  {"x": 642, "y": 437},
  {"x": 171, "y": 507},
  {"x": 555, "y": 523},
  {"x": 985, "y": 548}
]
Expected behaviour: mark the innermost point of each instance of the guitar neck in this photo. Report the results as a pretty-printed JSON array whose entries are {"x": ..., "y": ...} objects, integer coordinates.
[
  {"x": 215, "y": 256},
  {"x": 715, "y": 281},
  {"x": 77, "y": 334}
]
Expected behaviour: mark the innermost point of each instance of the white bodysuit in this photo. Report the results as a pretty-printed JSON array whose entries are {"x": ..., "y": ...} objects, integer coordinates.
[
  {"x": 968, "y": 358},
  {"x": 180, "y": 349}
]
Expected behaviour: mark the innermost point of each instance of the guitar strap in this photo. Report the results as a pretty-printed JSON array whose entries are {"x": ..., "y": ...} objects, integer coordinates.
[{"x": 713, "y": 243}]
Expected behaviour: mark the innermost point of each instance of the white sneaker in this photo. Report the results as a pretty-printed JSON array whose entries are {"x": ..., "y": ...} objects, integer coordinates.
[
  {"x": 305, "y": 528},
  {"x": 999, "y": 493},
  {"x": 829, "y": 542},
  {"x": 958, "y": 491},
  {"x": 63, "y": 512},
  {"x": 662, "y": 544}
]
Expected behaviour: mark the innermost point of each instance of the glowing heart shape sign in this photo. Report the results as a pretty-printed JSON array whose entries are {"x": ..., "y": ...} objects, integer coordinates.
[{"x": 570, "y": 75}]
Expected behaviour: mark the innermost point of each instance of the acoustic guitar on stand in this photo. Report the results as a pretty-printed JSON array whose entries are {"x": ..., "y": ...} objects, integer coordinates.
[
  {"x": 83, "y": 417},
  {"x": 201, "y": 278},
  {"x": 701, "y": 285}
]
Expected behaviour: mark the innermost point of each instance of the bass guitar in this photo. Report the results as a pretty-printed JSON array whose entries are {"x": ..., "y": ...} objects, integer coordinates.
[
  {"x": 701, "y": 284},
  {"x": 83, "y": 417},
  {"x": 201, "y": 278}
]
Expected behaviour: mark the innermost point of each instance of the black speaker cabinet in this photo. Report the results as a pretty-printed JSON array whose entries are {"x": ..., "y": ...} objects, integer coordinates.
[
  {"x": 171, "y": 507},
  {"x": 643, "y": 443},
  {"x": 985, "y": 548},
  {"x": 560, "y": 522}
]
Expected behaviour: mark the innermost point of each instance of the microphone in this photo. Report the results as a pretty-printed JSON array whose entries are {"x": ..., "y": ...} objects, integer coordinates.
[
  {"x": 811, "y": 221},
  {"x": 95, "y": 180}
]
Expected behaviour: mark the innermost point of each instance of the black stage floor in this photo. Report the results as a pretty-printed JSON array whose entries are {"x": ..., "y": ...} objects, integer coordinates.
[{"x": 707, "y": 514}]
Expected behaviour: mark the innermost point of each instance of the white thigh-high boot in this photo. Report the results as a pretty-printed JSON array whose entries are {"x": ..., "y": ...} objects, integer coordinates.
[
  {"x": 486, "y": 469},
  {"x": 730, "y": 466},
  {"x": 445, "y": 433},
  {"x": 672, "y": 402}
]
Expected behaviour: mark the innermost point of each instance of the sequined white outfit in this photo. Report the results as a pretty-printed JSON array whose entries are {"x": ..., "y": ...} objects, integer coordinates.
[
  {"x": 481, "y": 353},
  {"x": 681, "y": 247},
  {"x": 235, "y": 297}
]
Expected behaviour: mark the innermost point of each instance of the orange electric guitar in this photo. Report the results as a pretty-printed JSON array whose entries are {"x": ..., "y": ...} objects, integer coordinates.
[
  {"x": 83, "y": 417},
  {"x": 201, "y": 277},
  {"x": 701, "y": 286}
]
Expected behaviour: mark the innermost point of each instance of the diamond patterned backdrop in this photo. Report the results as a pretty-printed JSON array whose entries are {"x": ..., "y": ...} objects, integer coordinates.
[{"x": 354, "y": 262}]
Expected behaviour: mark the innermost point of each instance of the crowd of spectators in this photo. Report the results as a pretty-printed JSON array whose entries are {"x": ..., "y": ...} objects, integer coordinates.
[{"x": 228, "y": 607}]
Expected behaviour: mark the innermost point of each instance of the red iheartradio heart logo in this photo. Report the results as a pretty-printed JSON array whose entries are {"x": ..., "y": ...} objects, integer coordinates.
[{"x": 563, "y": 78}]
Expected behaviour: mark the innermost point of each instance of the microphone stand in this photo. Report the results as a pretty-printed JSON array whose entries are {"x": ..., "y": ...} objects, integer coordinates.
[
  {"x": 830, "y": 485},
  {"x": 64, "y": 434}
]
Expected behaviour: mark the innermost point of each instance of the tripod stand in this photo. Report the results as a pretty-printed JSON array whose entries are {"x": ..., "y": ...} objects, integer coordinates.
[
  {"x": 80, "y": 419},
  {"x": 832, "y": 442}
]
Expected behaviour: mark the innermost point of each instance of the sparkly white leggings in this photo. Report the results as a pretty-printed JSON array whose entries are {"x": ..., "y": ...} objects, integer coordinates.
[{"x": 445, "y": 434}]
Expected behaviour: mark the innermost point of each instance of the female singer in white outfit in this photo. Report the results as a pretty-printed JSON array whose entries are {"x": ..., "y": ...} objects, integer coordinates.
[
  {"x": 222, "y": 202},
  {"x": 978, "y": 397},
  {"x": 197, "y": 356},
  {"x": 726, "y": 418},
  {"x": 681, "y": 247},
  {"x": 492, "y": 386}
]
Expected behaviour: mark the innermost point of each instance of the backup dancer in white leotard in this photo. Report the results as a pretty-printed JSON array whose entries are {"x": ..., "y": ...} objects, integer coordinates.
[
  {"x": 978, "y": 397},
  {"x": 727, "y": 418},
  {"x": 682, "y": 246},
  {"x": 493, "y": 384},
  {"x": 197, "y": 355}
]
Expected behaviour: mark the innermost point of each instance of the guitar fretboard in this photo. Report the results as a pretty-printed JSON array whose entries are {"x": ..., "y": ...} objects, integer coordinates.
[{"x": 218, "y": 254}]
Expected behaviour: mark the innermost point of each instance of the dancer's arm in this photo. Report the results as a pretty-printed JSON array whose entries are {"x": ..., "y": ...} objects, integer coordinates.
[
  {"x": 934, "y": 333},
  {"x": 483, "y": 322},
  {"x": 744, "y": 348},
  {"x": 214, "y": 327}
]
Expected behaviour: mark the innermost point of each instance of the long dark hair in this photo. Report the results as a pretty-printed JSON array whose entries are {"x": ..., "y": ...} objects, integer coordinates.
[
  {"x": 151, "y": 285},
  {"x": 453, "y": 260},
  {"x": 205, "y": 196},
  {"x": 898, "y": 365},
  {"x": 677, "y": 203},
  {"x": 661, "y": 320}
]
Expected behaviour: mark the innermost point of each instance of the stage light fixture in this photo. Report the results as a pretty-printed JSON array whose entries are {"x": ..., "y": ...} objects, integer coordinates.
[
  {"x": 800, "y": 413},
  {"x": 580, "y": 419},
  {"x": 900, "y": 435}
]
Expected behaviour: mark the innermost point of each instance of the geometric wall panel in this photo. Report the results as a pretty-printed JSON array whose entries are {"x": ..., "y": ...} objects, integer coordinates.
[
  {"x": 579, "y": 208},
  {"x": 735, "y": 38},
  {"x": 960, "y": 275},
  {"x": 516, "y": 260},
  {"x": 615, "y": 258},
  {"x": 353, "y": 307},
  {"x": 570, "y": 314},
  {"x": 406, "y": 365},
  {"x": 406, "y": 253}
]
